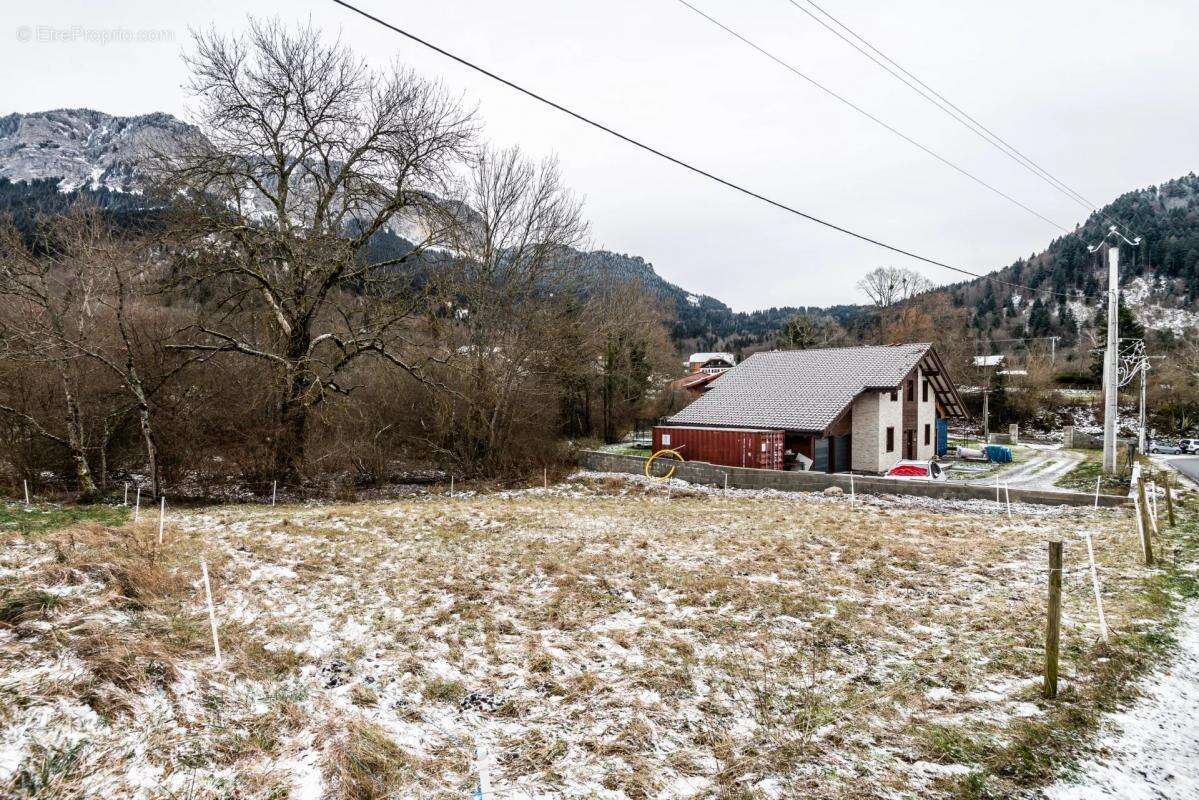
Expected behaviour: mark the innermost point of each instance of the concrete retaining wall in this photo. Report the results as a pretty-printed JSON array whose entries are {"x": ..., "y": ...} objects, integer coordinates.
[{"x": 747, "y": 478}]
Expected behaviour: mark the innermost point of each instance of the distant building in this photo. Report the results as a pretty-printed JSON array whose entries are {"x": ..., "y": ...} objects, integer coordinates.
[
  {"x": 714, "y": 363},
  {"x": 694, "y": 384},
  {"x": 831, "y": 409}
]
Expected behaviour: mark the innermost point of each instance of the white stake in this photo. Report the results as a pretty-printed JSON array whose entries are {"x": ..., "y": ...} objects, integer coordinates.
[
  {"x": 1098, "y": 478},
  {"x": 1136, "y": 509},
  {"x": 1095, "y": 584},
  {"x": 216, "y": 642},
  {"x": 1007, "y": 493},
  {"x": 125, "y": 502},
  {"x": 483, "y": 792},
  {"x": 1153, "y": 504},
  {"x": 545, "y": 477},
  {"x": 274, "y": 491},
  {"x": 25, "y": 483},
  {"x": 451, "y": 486},
  {"x": 996, "y": 488},
  {"x": 162, "y": 515},
  {"x": 853, "y": 497},
  {"x": 137, "y": 506},
  {"x": 726, "y": 481}
]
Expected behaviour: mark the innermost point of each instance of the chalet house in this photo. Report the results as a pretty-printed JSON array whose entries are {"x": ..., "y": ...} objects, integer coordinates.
[
  {"x": 711, "y": 363},
  {"x": 831, "y": 410}
]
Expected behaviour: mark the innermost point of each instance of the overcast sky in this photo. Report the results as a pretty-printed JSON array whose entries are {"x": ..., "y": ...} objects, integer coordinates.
[{"x": 1104, "y": 95}]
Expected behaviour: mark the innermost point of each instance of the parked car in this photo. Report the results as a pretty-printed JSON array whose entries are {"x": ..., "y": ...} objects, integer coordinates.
[
  {"x": 918, "y": 470},
  {"x": 1189, "y": 445},
  {"x": 1168, "y": 448}
]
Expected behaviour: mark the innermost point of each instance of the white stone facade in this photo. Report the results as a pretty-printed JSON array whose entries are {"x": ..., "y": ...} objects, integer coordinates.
[{"x": 873, "y": 413}]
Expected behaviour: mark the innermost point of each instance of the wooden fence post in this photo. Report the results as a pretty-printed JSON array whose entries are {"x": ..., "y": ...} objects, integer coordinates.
[
  {"x": 1143, "y": 511},
  {"x": 1053, "y": 627},
  {"x": 1169, "y": 500}
]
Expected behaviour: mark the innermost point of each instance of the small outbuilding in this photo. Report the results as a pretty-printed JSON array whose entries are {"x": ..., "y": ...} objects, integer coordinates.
[{"x": 830, "y": 410}]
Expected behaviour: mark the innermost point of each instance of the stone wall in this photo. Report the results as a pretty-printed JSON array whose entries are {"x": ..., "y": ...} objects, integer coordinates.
[{"x": 747, "y": 478}]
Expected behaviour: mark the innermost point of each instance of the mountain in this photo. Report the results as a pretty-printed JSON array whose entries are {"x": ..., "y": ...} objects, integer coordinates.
[
  {"x": 48, "y": 153},
  {"x": 1159, "y": 280},
  {"x": 81, "y": 148}
]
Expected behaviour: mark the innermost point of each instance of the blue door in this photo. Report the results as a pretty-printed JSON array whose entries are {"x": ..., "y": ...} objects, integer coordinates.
[{"x": 942, "y": 437}]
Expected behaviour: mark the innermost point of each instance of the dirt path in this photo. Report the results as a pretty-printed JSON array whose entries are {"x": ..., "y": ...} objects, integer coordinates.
[
  {"x": 1040, "y": 471},
  {"x": 1150, "y": 751}
]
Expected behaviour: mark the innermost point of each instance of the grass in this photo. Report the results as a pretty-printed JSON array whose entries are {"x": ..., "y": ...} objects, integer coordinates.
[
  {"x": 45, "y": 518},
  {"x": 603, "y": 634},
  {"x": 1040, "y": 750},
  {"x": 1082, "y": 478}
]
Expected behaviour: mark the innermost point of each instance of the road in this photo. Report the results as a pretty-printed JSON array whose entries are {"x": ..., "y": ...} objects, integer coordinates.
[{"x": 1187, "y": 465}]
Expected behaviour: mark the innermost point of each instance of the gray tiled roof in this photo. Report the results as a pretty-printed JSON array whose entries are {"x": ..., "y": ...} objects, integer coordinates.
[{"x": 802, "y": 390}]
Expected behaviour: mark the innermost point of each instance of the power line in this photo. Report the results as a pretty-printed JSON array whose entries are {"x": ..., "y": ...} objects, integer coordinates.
[
  {"x": 679, "y": 162},
  {"x": 948, "y": 107},
  {"x": 871, "y": 116}
]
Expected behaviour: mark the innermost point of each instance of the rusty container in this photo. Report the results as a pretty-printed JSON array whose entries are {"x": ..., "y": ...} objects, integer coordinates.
[{"x": 731, "y": 447}]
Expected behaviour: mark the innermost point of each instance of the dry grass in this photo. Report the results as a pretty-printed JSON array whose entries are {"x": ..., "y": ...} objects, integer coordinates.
[{"x": 598, "y": 636}]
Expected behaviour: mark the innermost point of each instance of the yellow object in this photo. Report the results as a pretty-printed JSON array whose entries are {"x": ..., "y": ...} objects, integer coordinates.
[{"x": 664, "y": 452}]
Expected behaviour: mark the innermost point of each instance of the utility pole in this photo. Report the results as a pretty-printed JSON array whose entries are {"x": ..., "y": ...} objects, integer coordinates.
[
  {"x": 1111, "y": 368},
  {"x": 986, "y": 416},
  {"x": 1141, "y": 428}
]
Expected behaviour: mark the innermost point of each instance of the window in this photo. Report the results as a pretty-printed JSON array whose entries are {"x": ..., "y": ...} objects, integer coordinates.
[
  {"x": 928, "y": 432},
  {"x": 891, "y": 440},
  {"x": 911, "y": 393},
  {"x": 666, "y": 440},
  {"x": 925, "y": 391},
  {"x": 894, "y": 395}
]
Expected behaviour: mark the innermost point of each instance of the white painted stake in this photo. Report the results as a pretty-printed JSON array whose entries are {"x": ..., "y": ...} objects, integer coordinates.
[
  {"x": 1095, "y": 585},
  {"x": 483, "y": 792},
  {"x": 451, "y": 486},
  {"x": 216, "y": 642},
  {"x": 125, "y": 502},
  {"x": 1153, "y": 504},
  {"x": 1098, "y": 478},
  {"x": 1007, "y": 493},
  {"x": 545, "y": 477},
  {"x": 137, "y": 506},
  {"x": 25, "y": 483},
  {"x": 853, "y": 496},
  {"x": 996, "y": 488},
  {"x": 726, "y": 481},
  {"x": 162, "y": 516},
  {"x": 274, "y": 491}
]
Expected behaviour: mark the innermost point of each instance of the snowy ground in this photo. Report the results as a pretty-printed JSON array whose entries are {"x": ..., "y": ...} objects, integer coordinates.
[
  {"x": 1151, "y": 750},
  {"x": 604, "y": 638}
]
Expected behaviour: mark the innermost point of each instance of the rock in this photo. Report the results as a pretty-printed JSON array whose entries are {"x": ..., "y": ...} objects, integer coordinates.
[{"x": 833, "y": 491}]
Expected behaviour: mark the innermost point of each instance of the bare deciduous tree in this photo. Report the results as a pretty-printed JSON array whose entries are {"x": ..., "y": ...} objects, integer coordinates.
[
  {"x": 309, "y": 155},
  {"x": 887, "y": 286}
]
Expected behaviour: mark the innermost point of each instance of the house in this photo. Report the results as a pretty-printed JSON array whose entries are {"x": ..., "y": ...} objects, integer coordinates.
[
  {"x": 831, "y": 410},
  {"x": 694, "y": 384},
  {"x": 713, "y": 363}
]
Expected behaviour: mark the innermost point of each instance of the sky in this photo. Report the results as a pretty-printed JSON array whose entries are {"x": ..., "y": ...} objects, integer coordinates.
[{"x": 1102, "y": 94}]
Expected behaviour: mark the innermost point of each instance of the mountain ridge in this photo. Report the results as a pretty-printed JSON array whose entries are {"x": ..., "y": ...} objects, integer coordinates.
[{"x": 91, "y": 151}]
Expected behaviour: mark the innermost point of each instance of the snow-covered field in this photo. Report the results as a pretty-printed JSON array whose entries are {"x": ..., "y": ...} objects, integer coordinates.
[{"x": 604, "y": 638}]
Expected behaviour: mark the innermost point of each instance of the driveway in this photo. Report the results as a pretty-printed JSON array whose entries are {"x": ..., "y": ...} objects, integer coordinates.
[{"x": 1041, "y": 470}]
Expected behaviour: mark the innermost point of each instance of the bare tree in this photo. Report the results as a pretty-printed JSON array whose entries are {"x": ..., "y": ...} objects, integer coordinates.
[
  {"x": 51, "y": 293},
  {"x": 310, "y": 154},
  {"x": 887, "y": 286},
  {"x": 509, "y": 291}
]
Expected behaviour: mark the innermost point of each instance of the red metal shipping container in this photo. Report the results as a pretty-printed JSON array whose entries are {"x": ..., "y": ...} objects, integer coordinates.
[{"x": 730, "y": 447}]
